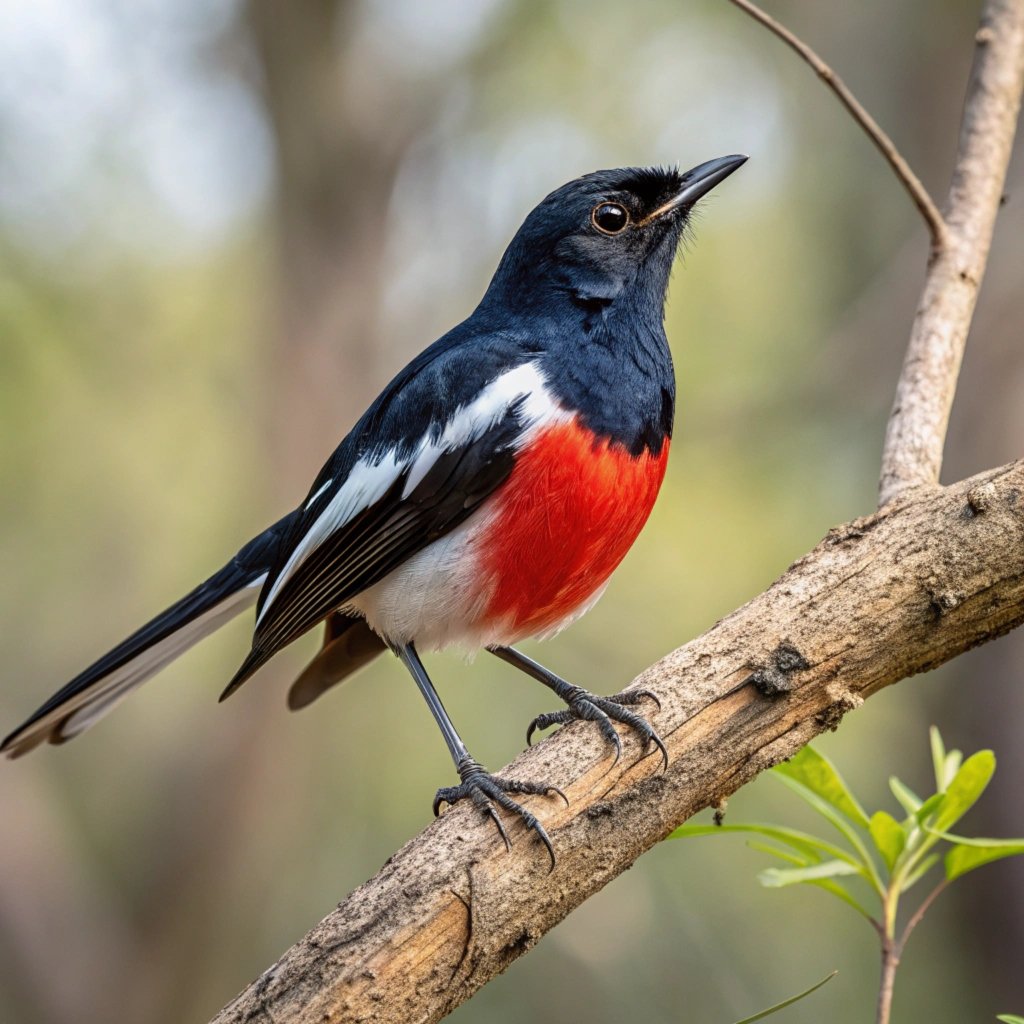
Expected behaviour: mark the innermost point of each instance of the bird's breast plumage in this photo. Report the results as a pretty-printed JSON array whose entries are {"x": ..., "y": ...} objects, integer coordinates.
[
  {"x": 537, "y": 551},
  {"x": 535, "y": 555},
  {"x": 561, "y": 523}
]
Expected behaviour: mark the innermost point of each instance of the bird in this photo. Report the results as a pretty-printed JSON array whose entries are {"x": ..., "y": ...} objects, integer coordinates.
[{"x": 485, "y": 496}]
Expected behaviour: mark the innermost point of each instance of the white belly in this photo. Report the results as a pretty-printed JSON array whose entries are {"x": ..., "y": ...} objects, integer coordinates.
[{"x": 437, "y": 598}]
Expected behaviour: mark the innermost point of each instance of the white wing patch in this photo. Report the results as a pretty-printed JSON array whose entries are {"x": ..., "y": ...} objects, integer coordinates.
[
  {"x": 319, "y": 491},
  {"x": 371, "y": 477},
  {"x": 367, "y": 482},
  {"x": 475, "y": 418}
]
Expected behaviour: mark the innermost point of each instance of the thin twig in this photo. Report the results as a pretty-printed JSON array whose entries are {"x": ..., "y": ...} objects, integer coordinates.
[
  {"x": 887, "y": 982},
  {"x": 915, "y": 920},
  {"x": 892, "y": 952},
  {"x": 911, "y": 182},
  {"x": 916, "y": 433}
]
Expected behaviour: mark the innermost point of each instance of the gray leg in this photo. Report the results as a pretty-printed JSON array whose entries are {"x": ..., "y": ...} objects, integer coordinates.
[
  {"x": 585, "y": 705},
  {"x": 484, "y": 789}
]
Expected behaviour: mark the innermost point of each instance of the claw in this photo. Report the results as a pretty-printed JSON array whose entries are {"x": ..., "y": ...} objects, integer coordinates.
[
  {"x": 501, "y": 828},
  {"x": 649, "y": 694},
  {"x": 486, "y": 790},
  {"x": 557, "y": 792},
  {"x": 588, "y": 707},
  {"x": 547, "y": 720},
  {"x": 618, "y": 748},
  {"x": 656, "y": 740}
]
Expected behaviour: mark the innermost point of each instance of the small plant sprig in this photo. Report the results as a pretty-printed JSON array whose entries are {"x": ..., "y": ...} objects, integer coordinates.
[
  {"x": 886, "y": 855},
  {"x": 803, "y": 995}
]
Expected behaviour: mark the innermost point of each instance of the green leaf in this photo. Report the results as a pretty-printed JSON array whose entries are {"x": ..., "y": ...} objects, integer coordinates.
[
  {"x": 821, "y": 883},
  {"x": 973, "y": 840},
  {"x": 840, "y": 892},
  {"x": 920, "y": 871},
  {"x": 775, "y": 878},
  {"x": 967, "y": 785},
  {"x": 794, "y": 999},
  {"x": 1006, "y": 1018},
  {"x": 938, "y": 758},
  {"x": 863, "y": 860},
  {"x": 888, "y": 836},
  {"x": 812, "y": 847},
  {"x": 930, "y": 806},
  {"x": 966, "y": 856},
  {"x": 818, "y": 774},
  {"x": 774, "y": 851},
  {"x": 909, "y": 800},
  {"x": 946, "y": 763},
  {"x": 953, "y": 761}
]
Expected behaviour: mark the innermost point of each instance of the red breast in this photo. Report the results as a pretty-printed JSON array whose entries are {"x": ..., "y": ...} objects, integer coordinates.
[{"x": 563, "y": 521}]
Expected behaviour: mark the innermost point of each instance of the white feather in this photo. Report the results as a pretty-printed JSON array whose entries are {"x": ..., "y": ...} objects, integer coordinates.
[
  {"x": 477, "y": 417},
  {"x": 371, "y": 477},
  {"x": 320, "y": 490},
  {"x": 364, "y": 485}
]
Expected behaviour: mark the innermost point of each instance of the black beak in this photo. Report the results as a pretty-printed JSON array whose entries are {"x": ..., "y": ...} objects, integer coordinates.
[{"x": 699, "y": 181}]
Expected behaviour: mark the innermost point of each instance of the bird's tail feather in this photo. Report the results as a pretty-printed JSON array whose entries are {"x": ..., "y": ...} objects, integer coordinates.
[
  {"x": 92, "y": 693},
  {"x": 348, "y": 645}
]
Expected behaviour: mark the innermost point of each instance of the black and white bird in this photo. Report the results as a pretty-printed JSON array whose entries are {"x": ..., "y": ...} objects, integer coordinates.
[{"x": 486, "y": 496}]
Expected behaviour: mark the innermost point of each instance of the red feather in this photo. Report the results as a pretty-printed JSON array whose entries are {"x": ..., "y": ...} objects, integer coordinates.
[{"x": 566, "y": 517}]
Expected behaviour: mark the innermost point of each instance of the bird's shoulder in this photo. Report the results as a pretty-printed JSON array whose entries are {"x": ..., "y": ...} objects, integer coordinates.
[{"x": 422, "y": 399}]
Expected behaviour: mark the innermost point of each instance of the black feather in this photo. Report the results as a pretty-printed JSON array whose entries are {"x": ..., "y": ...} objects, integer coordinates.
[
  {"x": 248, "y": 565},
  {"x": 382, "y": 536}
]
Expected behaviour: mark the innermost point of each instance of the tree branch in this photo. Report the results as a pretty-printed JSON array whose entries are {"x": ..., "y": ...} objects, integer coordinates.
[
  {"x": 877, "y": 600},
  {"x": 915, "y": 437},
  {"x": 918, "y": 193},
  {"x": 880, "y": 599}
]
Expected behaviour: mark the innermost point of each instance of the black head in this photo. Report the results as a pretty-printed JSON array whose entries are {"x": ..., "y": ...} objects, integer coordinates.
[{"x": 604, "y": 236}]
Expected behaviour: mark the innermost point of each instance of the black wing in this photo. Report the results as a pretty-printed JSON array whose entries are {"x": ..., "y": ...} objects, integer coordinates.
[{"x": 382, "y": 536}]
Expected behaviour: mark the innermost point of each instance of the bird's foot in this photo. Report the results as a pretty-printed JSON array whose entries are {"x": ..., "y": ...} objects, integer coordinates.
[
  {"x": 588, "y": 707},
  {"x": 486, "y": 790}
]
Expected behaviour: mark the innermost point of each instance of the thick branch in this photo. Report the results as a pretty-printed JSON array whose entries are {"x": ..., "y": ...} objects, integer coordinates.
[
  {"x": 911, "y": 182},
  {"x": 878, "y": 600},
  {"x": 912, "y": 456}
]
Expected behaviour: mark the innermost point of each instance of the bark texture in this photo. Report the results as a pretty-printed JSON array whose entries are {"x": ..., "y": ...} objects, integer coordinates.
[
  {"x": 879, "y": 599},
  {"x": 914, "y": 441}
]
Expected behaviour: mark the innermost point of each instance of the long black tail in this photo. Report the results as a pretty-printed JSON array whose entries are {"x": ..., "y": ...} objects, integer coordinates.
[{"x": 92, "y": 693}]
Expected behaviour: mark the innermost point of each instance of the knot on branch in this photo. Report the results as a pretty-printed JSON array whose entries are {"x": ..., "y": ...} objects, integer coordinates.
[
  {"x": 775, "y": 676},
  {"x": 979, "y": 499},
  {"x": 941, "y": 598}
]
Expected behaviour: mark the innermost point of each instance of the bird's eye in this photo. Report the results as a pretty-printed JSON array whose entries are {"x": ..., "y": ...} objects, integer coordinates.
[{"x": 610, "y": 218}]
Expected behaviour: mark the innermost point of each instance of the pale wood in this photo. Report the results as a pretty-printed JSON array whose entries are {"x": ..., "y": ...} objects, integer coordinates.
[{"x": 879, "y": 599}]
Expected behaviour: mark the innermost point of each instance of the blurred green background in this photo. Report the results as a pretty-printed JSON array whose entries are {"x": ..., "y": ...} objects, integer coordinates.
[{"x": 223, "y": 225}]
